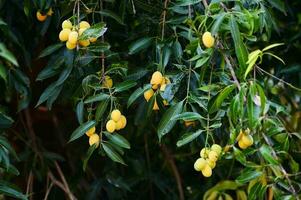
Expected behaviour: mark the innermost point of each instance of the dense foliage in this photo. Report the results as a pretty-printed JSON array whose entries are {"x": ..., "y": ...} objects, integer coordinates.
[{"x": 185, "y": 99}]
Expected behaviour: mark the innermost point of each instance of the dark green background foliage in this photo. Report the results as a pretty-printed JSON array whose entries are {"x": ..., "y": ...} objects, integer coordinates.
[{"x": 51, "y": 95}]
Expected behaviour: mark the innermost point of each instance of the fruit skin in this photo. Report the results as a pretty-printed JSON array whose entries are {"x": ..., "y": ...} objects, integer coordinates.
[
  {"x": 92, "y": 40},
  {"x": 64, "y": 35},
  {"x": 116, "y": 115},
  {"x": 67, "y": 24},
  {"x": 84, "y": 43},
  {"x": 162, "y": 87},
  {"x": 84, "y": 24},
  {"x": 94, "y": 139},
  {"x": 40, "y": 16},
  {"x": 108, "y": 82},
  {"x": 148, "y": 94},
  {"x": 247, "y": 140},
  {"x": 70, "y": 46},
  {"x": 242, "y": 145},
  {"x": 213, "y": 156},
  {"x": 188, "y": 123},
  {"x": 217, "y": 148},
  {"x": 119, "y": 124},
  {"x": 211, "y": 163},
  {"x": 73, "y": 37},
  {"x": 91, "y": 131},
  {"x": 155, "y": 86},
  {"x": 156, "y": 78},
  {"x": 155, "y": 107},
  {"x": 111, "y": 126},
  {"x": 204, "y": 152},
  {"x": 50, "y": 12},
  {"x": 207, "y": 171},
  {"x": 200, "y": 164},
  {"x": 123, "y": 120},
  {"x": 208, "y": 40}
]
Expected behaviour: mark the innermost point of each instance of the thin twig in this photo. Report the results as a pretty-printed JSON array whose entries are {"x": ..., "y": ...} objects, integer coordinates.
[
  {"x": 164, "y": 19},
  {"x": 29, "y": 184},
  {"x": 48, "y": 191}
]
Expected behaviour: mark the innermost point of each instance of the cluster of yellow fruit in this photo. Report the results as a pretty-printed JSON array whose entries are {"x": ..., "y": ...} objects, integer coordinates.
[
  {"x": 157, "y": 81},
  {"x": 93, "y": 137},
  {"x": 244, "y": 139},
  {"x": 117, "y": 121},
  {"x": 42, "y": 17},
  {"x": 188, "y": 123},
  {"x": 208, "y": 39},
  {"x": 208, "y": 159},
  {"x": 70, "y": 34},
  {"x": 107, "y": 82}
]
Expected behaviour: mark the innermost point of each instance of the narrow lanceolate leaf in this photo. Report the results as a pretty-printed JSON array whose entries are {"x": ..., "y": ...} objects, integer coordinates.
[
  {"x": 94, "y": 31},
  {"x": 252, "y": 58},
  {"x": 188, "y": 116},
  {"x": 101, "y": 108},
  {"x": 5, "y": 121},
  {"x": 165, "y": 125},
  {"x": 139, "y": 45},
  {"x": 112, "y": 153},
  {"x": 88, "y": 155},
  {"x": 81, "y": 130},
  {"x": 267, "y": 154},
  {"x": 111, "y": 14},
  {"x": 80, "y": 111},
  {"x": 49, "y": 50},
  {"x": 188, "y": 137},
  {"x": 137, "y": 93},
  {"x": 124, "y": 86},
  {"x": 8, "y": 191},
  {"x": 98, "y": 97},
  {"x": 240, "y": 48},
  {"x": 217, "y": 23},
  {"x": 118, "y": 140},
  {"x": 6, "y": 54},
  {"x": 221, "y": 97},
  {"x": 248, "y": 175},
  {"x": 272, "y": 46}
]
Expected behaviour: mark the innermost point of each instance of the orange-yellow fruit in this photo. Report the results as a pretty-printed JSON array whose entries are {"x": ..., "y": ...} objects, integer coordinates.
[
  {"x": 155, "y": 86},
  {"x": 200, "y": 164},
  {"x": 207, "y": 171},
  {"x": 211, "y": 163},
  {"x": 73, "y": 37},
  {"x": 92, "y": 40},
  {"x": 119, "y": 124},
  {"x": 155, "y": 107},
  {"x": 217, "y": 148},
  {"x": 40, "y": 16},
  {"x": 247, "y": 140},
  {"x": 80, "y": 31},
  {"x": 50, "y": 12},
  {"x": 242, "y": 145},
  {"x": 213, "y": 156},
  {"x": 91, "y": 131},
  {"x": 94, "y": 139},
  {"x": 123, "y": 120},
  {"x": 148, "y": 94},
  {"x": 84, "y": 24},
  {"x": 108, "y": 82},
  {"x": 111, "y": 126},
  {"x": 162, "y": 87},
  {"x": 188, "y": 123},
  {"x": 204, "y": 152},
  {"x": 67, "y": 24},
  {"x": 84, "y": 43},
  {"x": 156, "y": 78},
  {"x": 70, "y": 46},
  {"x": 116, "y": 115},
  {"x": 64, "y": 35},
  {"x": 208, "y": 39}
]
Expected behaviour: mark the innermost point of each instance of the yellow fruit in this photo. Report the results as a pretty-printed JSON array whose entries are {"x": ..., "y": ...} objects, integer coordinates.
[
  {"x": 50, "y": 12},
  {"x": 211, "y": 163},
  {"x": 41, "y": 17},
  {"x": 123, "y": 120},
  {"x": 93, "y": 40},
  {"x": 188, "y": 123},
  {"x": 163, "y": 81},
  {"x": 155, "y": 107},
  {"x": 67, "y": 24},
  {"x": 227, "y": 148},
  {"x": 73, "y": 37},
  {"x": 200, "y": 164},
  {"x": 204, "y": 152},
  {"x": 148, "y": 94},
  {"x": 167, "y": 80},
  {"x": 156, "y": 78},
  {"x": 155, "y": 86},
  {"x": 208, "y": 40},
  {"x": 207, "y": 171},
  {"x": 84, "y": 43},
  {"x": 64, "y": 35},
  {"x": 111, "y": 126},
  {"x": 165, "y": 103},
  {"x": 241, "y": 133},
  {"x": 119, "y": 124},
  {"x": 84, "y": 24},
  {"x": 70, "y": 46},
  {"x": 217, "y": 148},
  {"x": 116, "y": 115},
  {"x": 108, "y": 82},
  {"x": 91, "y": 131},
  {"x": 80, "y": 31},
  {"x": 94, "y": 139},
  {"x": 213, "y": 156},
  {"x": 242, "y": 145},
  {"x": 247, "y": 140}
]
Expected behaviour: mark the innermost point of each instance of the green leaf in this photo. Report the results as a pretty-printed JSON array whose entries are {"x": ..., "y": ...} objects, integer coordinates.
[
  {"x": 217, "y": 23},
  {"x": 262, "y": 96},
  {"x": 5, "y": 121},
  {"x": 100, "y": 110},
  {"x": 240, "y": 48},
  {"x": 165, "y": 125},
  {"x": 94, "y": 31},
  {"x": 6, "y": 54},
  {"x": 201, "y": 62},
  {"x": 51, "y": 49},
  {"x": 267, "y": 154},
  {"x": 188, "y": 137},
  {"x": 112, "y": 153},
  {"x": 272, "y": 46},
  {"x": 111, "y": 14},
  {"x": 139, "y": 45},
  {"x": 124, "y": 86},
  {"x": 137, "y": 93},
  {"x": 80, "y": 111},
  {"x": 6, "y": 145},
  {"x": 221, "y": 97},
  {"x": 273, "y": 55},
  {"x": 11, "y": 192},
  {"x": 88, "y": 155},
  {"x": 81, "y": 130},
  {"x": 118, "y": 140},
  {"x": 188, "y": 116},
  {"x": 3, "y": 73},
  {"x": 247, "y": 175},
  {"x": 98, "y": 97},
  {"x": 252, "y": 58}
]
